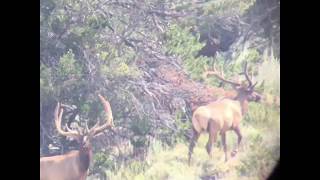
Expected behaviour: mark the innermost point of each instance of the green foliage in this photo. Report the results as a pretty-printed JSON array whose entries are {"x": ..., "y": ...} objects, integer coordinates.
[
  {"x": 84, "y": 52},
  {"x": 138, "y": 141},
  {"x": 118, "y": 66},
  {"x": 103, "y": 161},
  {"x": 137, "y": 167},
  {"x": 264, "y": 154},
  {"x": 182, "y": 43},
  {"x": 85, "y": 108},
  {"x": 46, "y": 7},
  {"x": 120, "y": 69},
  {"x": 178, "y": 133},
  {"x": 210, "y": 13},
  {"x": 182, "y": 128},
  {"x": 96, "y": 22},
  {"x": 260, "y": 114},
  {"x": 195, "y": 67},
  {"x": 132, "y": 171},
  {"x": 140, "y": 128},
  {"x": 256, "y": 158},
  {"x": 45, "y": 78},
  {"x": 260, "y": 161},
  {"x": 68, "y": 67},
  {"x": 227, "y": 7},
  {"x": 251, "y": 56},
  {"x": 269, "y": 71},
  {"x": 46, "y": 85},
  {"x": 262, "y": 141}
]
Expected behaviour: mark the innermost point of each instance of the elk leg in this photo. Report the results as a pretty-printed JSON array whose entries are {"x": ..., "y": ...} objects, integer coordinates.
[
  {"x": 239, "y": 134},
  {"x": 193, "y": 140},
  {"x": 223, "y": 138},
  {"x": 212, "y": 137}
]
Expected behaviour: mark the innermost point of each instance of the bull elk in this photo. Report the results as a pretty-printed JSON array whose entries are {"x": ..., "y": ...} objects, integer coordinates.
[
  {"x": 73, "y": 165},
  {"x": 224, "y": 114}
]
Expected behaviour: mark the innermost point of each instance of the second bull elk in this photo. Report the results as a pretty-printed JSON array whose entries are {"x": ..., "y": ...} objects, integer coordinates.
[
  {"x": 224, "y": 114},
  {"x": 73, "y": 165}
]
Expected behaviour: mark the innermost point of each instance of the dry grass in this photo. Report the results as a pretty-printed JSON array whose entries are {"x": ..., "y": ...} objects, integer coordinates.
[{"x": 256, "y": 158}]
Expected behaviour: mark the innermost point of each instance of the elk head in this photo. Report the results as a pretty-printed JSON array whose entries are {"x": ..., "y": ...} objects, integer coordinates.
[
  {"x": 245, "y": 92},
  {"x": 75, "y": 164},
  {"x": 84, "y": 135}
]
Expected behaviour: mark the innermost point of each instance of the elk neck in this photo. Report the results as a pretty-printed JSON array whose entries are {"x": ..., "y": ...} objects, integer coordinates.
[
  {"x": 85, "y": 156},
  {"x": 243, "y": 103}
]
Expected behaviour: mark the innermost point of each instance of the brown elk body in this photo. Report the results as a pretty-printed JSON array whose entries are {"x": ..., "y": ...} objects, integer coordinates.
[
  {"x": 222, "y": 115},
  {"x": 73, "y": 165}
]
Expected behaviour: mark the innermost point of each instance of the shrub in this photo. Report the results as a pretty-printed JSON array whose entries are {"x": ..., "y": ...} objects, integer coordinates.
[
  {"x": 269, "y": 71},
  {"x": 68, "y": 67},
  {"x": 180, "y": 42}
]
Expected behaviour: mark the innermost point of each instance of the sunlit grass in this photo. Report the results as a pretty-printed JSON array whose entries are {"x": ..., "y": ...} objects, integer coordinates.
[{"x": 258, "y": 153}]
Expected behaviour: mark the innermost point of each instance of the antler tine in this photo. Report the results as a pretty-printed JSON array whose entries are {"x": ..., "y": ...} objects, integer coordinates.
[
  {"x": 87, "y": 128},
  {"x": 219, "y": 75},
  {"x": 68, "y": 128},
  {"x": 96, "y": 129},
  {"x": 252, "y": 87},
  {"x": 245, "y": 72},
  {"x": 58, "y": 116}
]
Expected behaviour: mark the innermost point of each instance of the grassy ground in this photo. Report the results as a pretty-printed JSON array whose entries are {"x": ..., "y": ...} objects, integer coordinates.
[{"x": 256, "y": 158}]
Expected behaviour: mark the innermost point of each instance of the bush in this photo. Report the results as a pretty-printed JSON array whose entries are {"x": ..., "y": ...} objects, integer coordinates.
[
  {"x": 68, "y": 67},
  {"x": 261, "y": 143},
  {"x": 228, "y": 7},
  {"x": 269, "y": 71},
  {"x": 264, "y": 151},
  {"x": 102, "y": 162},
  {"x": 261, "y": 115},
  {"x": 180, "y": 42},
  {"x": 140, "y": 128}
]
